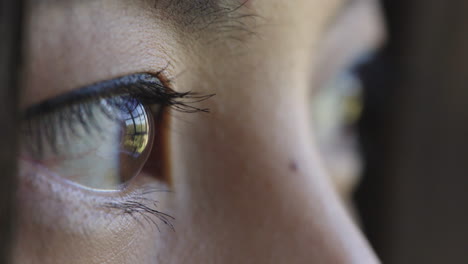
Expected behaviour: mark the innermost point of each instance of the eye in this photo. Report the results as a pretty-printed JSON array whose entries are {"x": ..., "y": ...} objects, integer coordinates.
[
  {"x": 100, "y": 144},
  {"x": 100, "y": 136},
  {"x": 336, "y": 110},
  {"x": 337, "y": 107}
]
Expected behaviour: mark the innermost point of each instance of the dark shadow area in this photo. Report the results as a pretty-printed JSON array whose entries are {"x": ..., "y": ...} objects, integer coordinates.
[{"x": 413, "y": 198}]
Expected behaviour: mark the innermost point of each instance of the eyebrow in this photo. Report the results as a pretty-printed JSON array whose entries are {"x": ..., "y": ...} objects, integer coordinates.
[
  {"x": 187, "y": 13},
  {"x": 185, "y": 7},
  {"x": 201, "y": 14}
]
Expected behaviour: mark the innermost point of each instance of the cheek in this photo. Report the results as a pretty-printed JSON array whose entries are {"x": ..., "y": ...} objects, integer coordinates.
[
  {"x": 247, "y": 172},
  {"x": 60, "y": 224}
]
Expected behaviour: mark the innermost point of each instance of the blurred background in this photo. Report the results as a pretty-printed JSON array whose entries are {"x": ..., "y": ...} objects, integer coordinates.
[{"x": 413, "y": 199}]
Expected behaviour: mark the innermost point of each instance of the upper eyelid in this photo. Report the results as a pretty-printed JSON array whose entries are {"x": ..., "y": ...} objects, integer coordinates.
[
  {"x": 103, "y": 88},
  {"x": 144, "y": 86},
  {"x": 39, "y": 86},
  {"x": 114, "y": 98}
]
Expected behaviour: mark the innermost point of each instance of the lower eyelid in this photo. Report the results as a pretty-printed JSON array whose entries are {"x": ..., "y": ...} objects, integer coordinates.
[
  {"x": 52, "y": 214},
  {"x": 40, "y": 191}
]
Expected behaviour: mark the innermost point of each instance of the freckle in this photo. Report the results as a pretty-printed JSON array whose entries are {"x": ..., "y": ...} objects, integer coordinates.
[{"x": 293, "y": 166}]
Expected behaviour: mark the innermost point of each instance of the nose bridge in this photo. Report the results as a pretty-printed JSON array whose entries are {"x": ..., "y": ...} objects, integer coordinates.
[
  {"x": 306, "y": 214},
  {"x": 252, "y": 177},
  {"x": 264, "y": 195}
]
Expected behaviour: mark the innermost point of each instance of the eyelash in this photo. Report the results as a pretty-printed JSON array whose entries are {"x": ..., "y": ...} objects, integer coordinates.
[
  {"x": 45, "y": 120},
  {"x": 139, "y": 206}
]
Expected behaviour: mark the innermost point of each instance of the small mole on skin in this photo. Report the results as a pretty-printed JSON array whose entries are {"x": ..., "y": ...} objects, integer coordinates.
[{"x": 293, "y": 166}]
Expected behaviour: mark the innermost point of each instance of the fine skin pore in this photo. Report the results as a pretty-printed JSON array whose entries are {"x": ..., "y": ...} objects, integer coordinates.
[{"x": 248, "y": 183}]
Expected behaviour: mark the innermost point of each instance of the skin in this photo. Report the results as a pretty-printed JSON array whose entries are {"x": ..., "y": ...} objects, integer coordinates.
[{"x": 248, "y": 181}]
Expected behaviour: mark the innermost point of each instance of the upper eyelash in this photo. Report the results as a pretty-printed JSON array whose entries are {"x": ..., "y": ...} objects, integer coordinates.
[
  {"x": 145, "y": 87},
  {"x": 45, "y": 120}
]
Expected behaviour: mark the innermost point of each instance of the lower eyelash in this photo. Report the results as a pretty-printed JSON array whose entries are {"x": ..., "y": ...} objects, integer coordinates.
[
  {"x": 135, "y": 209},
  {"x": 140, "y": 208}
]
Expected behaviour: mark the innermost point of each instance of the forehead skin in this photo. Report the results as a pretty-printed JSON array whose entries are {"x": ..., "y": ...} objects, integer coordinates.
[{"x": 236, "y": 197}]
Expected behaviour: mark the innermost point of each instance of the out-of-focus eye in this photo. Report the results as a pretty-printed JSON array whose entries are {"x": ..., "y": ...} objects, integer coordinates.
[
  {"x": 100, "y": 144},
  {"x": 336, "y": 108},
  {"x": 357, "y": 32}
]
